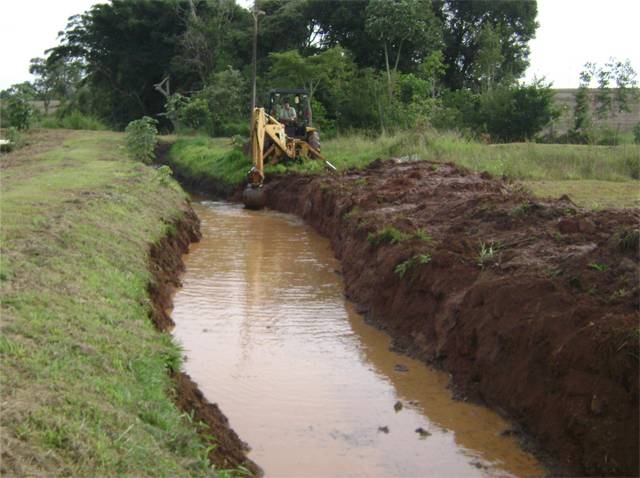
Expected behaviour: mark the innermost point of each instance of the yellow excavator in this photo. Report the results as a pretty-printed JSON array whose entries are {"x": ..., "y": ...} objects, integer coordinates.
[{"x": 284, "y": 134}]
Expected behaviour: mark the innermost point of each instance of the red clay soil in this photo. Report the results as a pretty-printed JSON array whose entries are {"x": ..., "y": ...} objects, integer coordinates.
[
  {"x": 543, "y": 329},
  {"x": 165, "y": 259}
]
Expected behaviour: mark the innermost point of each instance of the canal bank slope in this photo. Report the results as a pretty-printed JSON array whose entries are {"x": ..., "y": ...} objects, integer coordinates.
[
  {"x": 530, "y": 304},
  {"x": 91, "y": 246}
]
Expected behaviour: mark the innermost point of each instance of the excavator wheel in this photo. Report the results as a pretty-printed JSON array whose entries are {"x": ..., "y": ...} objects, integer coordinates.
[{"x": 254, "y": 197}]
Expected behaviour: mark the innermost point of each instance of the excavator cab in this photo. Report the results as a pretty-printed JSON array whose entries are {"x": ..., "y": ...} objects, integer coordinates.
[{"x": 298, "y": 99}]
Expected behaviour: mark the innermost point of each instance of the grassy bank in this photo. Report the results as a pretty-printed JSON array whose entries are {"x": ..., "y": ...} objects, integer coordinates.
[
  {"x": 85, "y": 390},
  {"x": 594, "y": 176}
]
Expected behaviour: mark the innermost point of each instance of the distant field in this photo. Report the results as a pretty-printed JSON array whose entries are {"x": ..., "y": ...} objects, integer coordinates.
[
  {"x": 565, "y": 99},
  {"x": 593, "y": 176}
]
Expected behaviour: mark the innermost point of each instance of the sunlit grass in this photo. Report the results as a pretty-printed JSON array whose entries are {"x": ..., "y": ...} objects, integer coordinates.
[{"x": 84, "y": 381}]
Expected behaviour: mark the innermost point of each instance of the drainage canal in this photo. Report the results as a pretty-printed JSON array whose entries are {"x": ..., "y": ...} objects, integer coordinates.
[{"x": 315, "y": 391}]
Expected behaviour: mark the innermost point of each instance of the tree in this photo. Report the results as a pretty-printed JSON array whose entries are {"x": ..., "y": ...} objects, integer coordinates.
[
  {"x": 517, "y": 113},
  {"x": 464, "y": 23},
  {"x": 294, "y": 70},
  {"x": 126, "y": 47},
  {"x": 616, "y": 91},
  {"x": 488, "y": 59},
  {"x": 56, "y": 79},
  {"x": 393, "y": 22},
  {"x": 216, "y": 36}
]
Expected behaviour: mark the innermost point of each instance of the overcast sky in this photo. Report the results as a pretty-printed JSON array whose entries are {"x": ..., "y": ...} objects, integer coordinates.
[{"x": 571, "y": 33}]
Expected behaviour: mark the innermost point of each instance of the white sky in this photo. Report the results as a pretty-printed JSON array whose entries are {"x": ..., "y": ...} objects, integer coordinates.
[{"x": 571, "y": 33}]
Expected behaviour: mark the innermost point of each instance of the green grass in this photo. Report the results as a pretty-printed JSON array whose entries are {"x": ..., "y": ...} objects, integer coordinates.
[
  {"x": 84, "y": 381},
  {"x": 595, "y": 176},
  {"x": 73, "y": 120},
  {"x": 387, "y": 235},
  {"x": 203, "y": 159}
]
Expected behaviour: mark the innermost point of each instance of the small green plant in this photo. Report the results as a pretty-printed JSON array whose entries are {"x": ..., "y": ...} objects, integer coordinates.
[
  {"x": 620, "y": 294},
  {"x": 387, "y": 234},
  {"x": 408, "y": 265},
  {"x": 422, "y": 234},
  {"x": 487, "y": 252},
  {"x": 559, "y": 237},
  {"x": 361, "y": 182},
  {"x": 141, "y": 137},
  {"x": 165, "y": 176},
  {"x": 597, "y": 266},
  {"x": 525, "y": 208},
  {"x": 553, "y": 272},
  {"x": 628, "y": 240},
  {"x": 352, "y": 213}
]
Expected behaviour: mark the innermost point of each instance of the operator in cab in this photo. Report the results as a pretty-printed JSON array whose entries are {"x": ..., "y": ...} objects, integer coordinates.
[{"x": 287, "y": 116}]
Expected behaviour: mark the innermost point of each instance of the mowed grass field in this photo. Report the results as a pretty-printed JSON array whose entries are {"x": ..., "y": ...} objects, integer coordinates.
[
  {"x": 84, "y": 383},
  {"x": 594, "y": 177}
]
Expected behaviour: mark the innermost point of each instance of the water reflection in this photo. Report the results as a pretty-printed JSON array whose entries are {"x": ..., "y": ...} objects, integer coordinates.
[{"x": 271, "y": 339}]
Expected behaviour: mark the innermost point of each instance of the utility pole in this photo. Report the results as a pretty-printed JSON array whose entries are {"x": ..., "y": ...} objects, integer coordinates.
[{"x": 255, "y": 13}]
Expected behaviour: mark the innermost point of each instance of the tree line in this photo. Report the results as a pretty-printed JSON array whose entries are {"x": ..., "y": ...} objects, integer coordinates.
[{"x": 376, "y": 65}]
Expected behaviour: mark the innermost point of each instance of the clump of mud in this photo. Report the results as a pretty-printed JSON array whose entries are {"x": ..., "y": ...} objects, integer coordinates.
[{"x": 531, "y": 304}]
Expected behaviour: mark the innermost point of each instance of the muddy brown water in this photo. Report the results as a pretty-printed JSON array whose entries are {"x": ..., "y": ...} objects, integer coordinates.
[{"x": 313, "y": 389}]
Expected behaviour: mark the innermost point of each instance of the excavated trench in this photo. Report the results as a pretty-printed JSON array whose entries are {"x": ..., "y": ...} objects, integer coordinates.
[
  {"x": 531, "y": 306},
  {"x": 314, "y": 390}
]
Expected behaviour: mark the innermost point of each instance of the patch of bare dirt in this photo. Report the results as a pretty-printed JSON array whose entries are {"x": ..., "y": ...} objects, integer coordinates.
[{"x": 531, "y": 304}]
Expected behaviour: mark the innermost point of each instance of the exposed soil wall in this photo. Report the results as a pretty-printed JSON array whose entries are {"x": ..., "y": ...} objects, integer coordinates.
[
  {"x": 165, "y": 262},
  {"x": 541, "y": 326}
]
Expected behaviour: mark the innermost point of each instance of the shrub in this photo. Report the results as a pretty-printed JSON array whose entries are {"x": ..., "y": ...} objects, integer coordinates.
[
  {"x": 636, "y": 133},
  {"x": 19, "y": 112},
  {"x": 516, "y": 113},
  {"x": 141, "y": 137}
]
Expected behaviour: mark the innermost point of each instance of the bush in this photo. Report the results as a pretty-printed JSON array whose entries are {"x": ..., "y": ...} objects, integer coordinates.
[
  {"x": 516, "y": 113},
  {"x": 636, "y": 133},
  {"x": 141, "y": 137},
  {"x": 19, "y": 111}
]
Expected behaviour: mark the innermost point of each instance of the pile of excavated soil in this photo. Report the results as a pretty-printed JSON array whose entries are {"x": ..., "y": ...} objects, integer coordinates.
[
  {"x": 532, "y": 305},
  {"x": 165, "y": 259}
]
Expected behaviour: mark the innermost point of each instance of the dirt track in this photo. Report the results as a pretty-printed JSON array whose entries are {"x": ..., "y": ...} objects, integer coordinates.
[{"x": 543, "y": 326}]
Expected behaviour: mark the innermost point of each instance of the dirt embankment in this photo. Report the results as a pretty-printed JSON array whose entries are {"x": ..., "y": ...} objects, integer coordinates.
[
  {"x": 165, "y": 259},
  {"x": 531, "y": 305}
]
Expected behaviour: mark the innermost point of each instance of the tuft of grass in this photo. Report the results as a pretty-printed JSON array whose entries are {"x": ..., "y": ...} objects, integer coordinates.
[
  {"x": 487, "y": 253},
  {"x": 597, "y": 266},
  {"x": 353, "y": 213},
  {"x": 628, "y": 240},
  {"x": 422, "y": 234},
  {"x": 84, "y": 372},
  {"x": 387, "y": 235},
  {"x": 406, "y": 266}
]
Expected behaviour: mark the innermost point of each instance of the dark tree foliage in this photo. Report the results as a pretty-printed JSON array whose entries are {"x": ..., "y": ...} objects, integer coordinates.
[
  {"x": 126, "y": 48},
  {"x": 513, "y": 20},
  {"x": 516, "y": 113}
]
